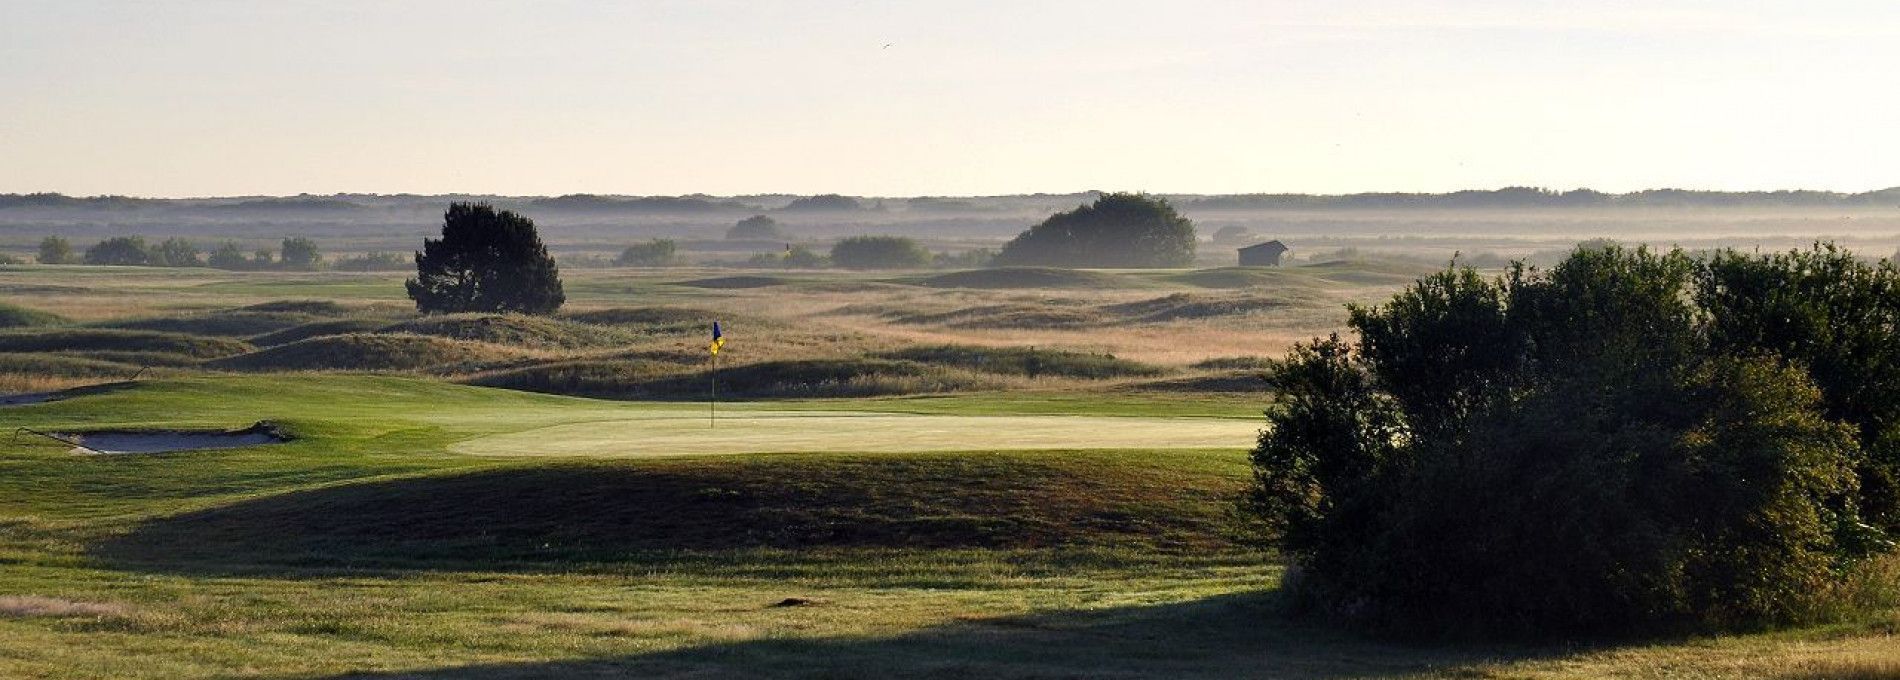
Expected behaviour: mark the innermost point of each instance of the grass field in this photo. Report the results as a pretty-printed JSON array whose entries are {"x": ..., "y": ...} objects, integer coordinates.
[{"x": 415, "y": 527}]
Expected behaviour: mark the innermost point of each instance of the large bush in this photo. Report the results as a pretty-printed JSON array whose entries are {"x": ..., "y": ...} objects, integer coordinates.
[
  {"x": 1117, "y": 230},
  {"x": 1605, "y": 446},
  {"x": 879, "y": 252}
]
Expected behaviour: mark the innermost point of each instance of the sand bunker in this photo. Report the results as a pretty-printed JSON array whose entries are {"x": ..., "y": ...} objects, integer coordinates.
[
  {"x": 167, "y": 441},
  {"x": 787, "y": 432}
]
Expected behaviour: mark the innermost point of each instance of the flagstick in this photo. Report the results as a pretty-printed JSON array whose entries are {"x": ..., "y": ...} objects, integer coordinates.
[{"x": 712, "y": 406}]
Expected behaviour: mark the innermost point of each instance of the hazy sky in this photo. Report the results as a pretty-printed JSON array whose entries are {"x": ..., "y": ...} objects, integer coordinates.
[{"x": 969, "y": 97}]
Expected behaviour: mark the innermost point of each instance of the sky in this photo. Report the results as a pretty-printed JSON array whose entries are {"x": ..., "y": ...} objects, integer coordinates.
[{"x": 966, "y": 97}]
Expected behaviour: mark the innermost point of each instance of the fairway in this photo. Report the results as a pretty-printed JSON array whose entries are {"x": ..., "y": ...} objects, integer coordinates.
[{"x": 677, "y": 434}]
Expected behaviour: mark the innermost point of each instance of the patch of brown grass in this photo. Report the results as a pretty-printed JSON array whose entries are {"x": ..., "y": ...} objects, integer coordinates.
[{"x": 23, "y": 606}]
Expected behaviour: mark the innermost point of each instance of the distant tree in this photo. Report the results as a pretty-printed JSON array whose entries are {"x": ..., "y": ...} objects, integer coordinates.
[
  {"x": 659, "y": 252},
  {"x": 175, "y": 252},
  {"x": 879, "y": 252},
  {"x": 261, "y": 259},
  {"x": 56, "y": 250},
  {"x": 119, "y": 251},
  {"x": 1117, "y": 230},
  {"x": 756, "y": 228},
  {"x": 486, "y": 261},
  {"x": 824, "y": 203},
  {"x": 372, "y": 262},
  {"x": 299, "y": 253},
  {"x": 228, "y": 256}
]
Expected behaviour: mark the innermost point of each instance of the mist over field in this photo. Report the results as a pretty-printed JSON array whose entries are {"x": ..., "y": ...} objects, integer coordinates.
[{"x": 1495, "y": 224}]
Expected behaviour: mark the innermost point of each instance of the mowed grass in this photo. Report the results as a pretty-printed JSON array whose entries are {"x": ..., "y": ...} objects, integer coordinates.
[{"x": 368, "y": 547}]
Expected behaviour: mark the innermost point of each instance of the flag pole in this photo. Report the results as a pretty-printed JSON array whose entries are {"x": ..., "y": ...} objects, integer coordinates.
[{"x": 712, "y": 405}]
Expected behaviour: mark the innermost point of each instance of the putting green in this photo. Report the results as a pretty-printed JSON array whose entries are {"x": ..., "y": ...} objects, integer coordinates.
[{"x": 676, "y": 434}]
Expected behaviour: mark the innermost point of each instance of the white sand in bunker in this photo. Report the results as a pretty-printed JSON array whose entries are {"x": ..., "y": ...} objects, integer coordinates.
[
  {"x": 801, "y": 432},
  {"x": 167, "y": 441}
]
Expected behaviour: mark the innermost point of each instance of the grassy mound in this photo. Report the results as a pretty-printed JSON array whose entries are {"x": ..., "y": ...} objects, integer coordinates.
[
  {"x": 226, "y": 324},
  {"x": 1235, "y": 382},
  {"x": 583, "y": 378},
  {"x": 605, "y": 512},
  {"x": 1014, "y": 315},
  {"x": 813, "y": 378},
  {"x": 1024, "y": 277},
  {"x": 140, "y": 359},
  {"x": 1026, "y": 361},
  {"x": 1182, "y": 306},
  {"x": 730, "y": 282},
  {"x": 367, "y": 352},
  {"x": 1246, "y": 363},
  {"x": 118, "y": 340},
  {"x": 310, "y": 307},
  {"x": 316, "y": 329},
  {"x": 650, "y": 319},
  {"x": 63, "y": 366},
  {"x": 15, "y": 316},
  {"x": 513, "y": 330},
  {"x": 1234, "y": 277}
]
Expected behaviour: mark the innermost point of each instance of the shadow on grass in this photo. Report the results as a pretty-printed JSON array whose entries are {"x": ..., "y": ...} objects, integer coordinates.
[
  {"x": 559, "y": 516},
  {"x": 1233, "y": 636}
]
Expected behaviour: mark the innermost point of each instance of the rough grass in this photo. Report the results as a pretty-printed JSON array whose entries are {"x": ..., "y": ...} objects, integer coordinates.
[
  {"x": 316, "y": 329},
  {"x": 15, "y": 316},
  {"x": 734, "y": 282},
  {"x": 1010, "y": 315},
  {"x": 63, "y": 366},
  {"x": 514, "y": 330},
  {"x": 1185, "y": 306},
  {"x": 226, "y": 324},
  {"x": 598, "y": 512},
  {"x": 1247, "y": 363},
  {"x": 1026, "y": 361},
  {"x": 812, "y": 378},
  {"x": 118, "y": 340},
  {"x": 18, "y": 606},
  {"x": 583, "y": 377},
  {"x": 1025, "y": 277},
  {"x": 369, "y": 352}
]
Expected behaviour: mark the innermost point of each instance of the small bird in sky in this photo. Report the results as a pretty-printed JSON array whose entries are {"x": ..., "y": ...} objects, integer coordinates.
[{"x": 888, "y": 45}]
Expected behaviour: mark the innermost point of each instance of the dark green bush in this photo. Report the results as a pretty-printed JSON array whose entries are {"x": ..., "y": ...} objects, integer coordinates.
[{"x": 1602, "y": 447}]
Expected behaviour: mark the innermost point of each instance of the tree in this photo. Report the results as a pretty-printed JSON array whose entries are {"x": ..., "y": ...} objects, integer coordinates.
[
  {"x": 756, "y": 228},
  {"x": 1598, "y": 447},
  {"x": 879, "y": 252},
  {"x": 228, "y": 256},
  {"x": 299, "y": 253},
  {"x": 56, "y": 250},
  {"x": 175, "y": 252},
  {"x": 823, "y": 203},
  {"x": 119, "y": 251},
  {"x": 658, "y": 252},
  {"x": 486, "y": 261},
  {"x": 261, "y": 259},
  {"x": 1117, "y": 230}
]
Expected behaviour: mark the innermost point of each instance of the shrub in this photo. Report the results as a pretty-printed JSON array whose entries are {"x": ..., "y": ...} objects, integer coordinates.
[
  {"x": 1577, "y": 450},
  {"x": 56, "y": 250},
  {"x": 656, "y": 253},
  {"x": 1117, "y": 230},
  {"x": 228, "y": 256},
  {"x": 879, "y": 252},
  {"x": 299, "y": 253},
  {"x": 119, "y": 250},
  {"x": 175, "y": 252}
]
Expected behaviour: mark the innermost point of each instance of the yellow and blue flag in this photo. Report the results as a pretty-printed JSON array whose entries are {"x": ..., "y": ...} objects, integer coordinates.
[{"x": 718, "y": 341}]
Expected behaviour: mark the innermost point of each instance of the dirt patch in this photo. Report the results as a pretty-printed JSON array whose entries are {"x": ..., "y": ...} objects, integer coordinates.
[
  {"x": 115, "y": 442},
  {"x": 23, "y": 606}
]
